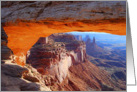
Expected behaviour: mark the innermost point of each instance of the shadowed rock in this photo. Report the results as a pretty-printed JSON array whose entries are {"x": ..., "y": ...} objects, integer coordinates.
[
  {"x": 5, "y": 51},
  {"x": 15, "y": 77}
]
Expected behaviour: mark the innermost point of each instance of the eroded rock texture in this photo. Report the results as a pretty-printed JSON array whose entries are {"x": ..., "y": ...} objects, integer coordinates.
[
  {"x": 62, "y": 10},
  {"x": 56, "y": 56},
  {"x": 15, "y": 77},
  {"x": 61, "y": 64},
  {"x": 64, "y": 59},
  {"x": 57, "y": 64}
]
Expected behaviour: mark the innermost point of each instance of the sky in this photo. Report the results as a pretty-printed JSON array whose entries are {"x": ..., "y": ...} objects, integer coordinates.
[{"x": 103, "y": 37}]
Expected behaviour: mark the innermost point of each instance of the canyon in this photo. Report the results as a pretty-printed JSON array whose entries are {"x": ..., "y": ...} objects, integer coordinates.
[
  {"x": 55, "y": 64},
  {"x": 113, "y": 62},
  {"x": 38, "y": 56}
]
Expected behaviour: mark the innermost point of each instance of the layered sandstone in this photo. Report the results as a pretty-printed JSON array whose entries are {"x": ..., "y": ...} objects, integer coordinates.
[{"x": 56, "y": 56}]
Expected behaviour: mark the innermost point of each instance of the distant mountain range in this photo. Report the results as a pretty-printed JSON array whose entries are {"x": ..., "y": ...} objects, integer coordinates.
[{"x": 102, "y": 37}]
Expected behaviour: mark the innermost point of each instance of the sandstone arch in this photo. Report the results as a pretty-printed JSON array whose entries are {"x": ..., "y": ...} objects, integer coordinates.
[{"x": 26, "y": 22}]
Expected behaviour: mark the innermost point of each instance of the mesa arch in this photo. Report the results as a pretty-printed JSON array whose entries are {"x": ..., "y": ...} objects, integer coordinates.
[
  {"x": 22, "y": 37},
  {"x": 24, "y": 26}
]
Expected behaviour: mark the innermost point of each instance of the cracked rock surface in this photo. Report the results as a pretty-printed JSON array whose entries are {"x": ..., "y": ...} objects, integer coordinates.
[{"x": 62, "y": 10}]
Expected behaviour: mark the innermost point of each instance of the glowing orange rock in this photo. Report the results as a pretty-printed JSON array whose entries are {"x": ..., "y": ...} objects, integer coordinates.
[{"x": 22, "y": 36}]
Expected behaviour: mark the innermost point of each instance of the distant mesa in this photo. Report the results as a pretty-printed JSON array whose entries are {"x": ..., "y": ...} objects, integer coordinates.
[{"x": 92, "y": 48}]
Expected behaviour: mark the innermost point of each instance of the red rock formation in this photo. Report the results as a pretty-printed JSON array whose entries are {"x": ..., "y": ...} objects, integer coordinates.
[
  {"x": 55, "y": 58},
  {"x": 61, "y": 68},
  {"x": 25, "y": 22},
  {"x": 64, "y": 60}
]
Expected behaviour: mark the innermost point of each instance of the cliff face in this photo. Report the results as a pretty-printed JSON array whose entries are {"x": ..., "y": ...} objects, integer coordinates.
[
  {"x": 87, "y": 77},
  {"x": 56, "y": 56}
]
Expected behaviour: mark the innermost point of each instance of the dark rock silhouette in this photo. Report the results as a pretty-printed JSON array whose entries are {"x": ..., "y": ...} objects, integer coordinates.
[{"x": 5, "y": 51}]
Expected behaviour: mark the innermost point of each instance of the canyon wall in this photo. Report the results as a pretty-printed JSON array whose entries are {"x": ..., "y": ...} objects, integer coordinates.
[{"x": 56, "y": 56}]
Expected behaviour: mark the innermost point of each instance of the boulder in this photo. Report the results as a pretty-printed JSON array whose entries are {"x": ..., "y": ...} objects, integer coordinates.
[
  {"x": 13, "y": 79},
  {"x": 13, "y": 70},
  {"x": 30, "y": 78}
]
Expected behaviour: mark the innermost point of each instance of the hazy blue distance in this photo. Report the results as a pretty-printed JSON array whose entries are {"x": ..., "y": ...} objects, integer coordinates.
[{"x": 103, "y": 37}]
